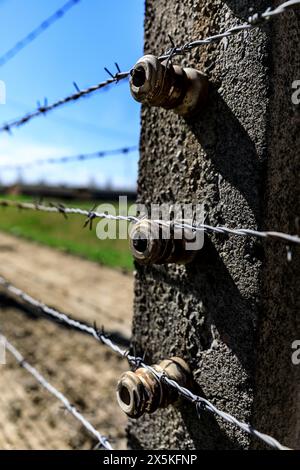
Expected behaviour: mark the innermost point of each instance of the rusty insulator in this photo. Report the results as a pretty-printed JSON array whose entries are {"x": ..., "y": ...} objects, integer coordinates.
[
  {"x": 151, "y": 243},
  {"x": 141, "y": 392},
  {"x": 156, "y": 83}
]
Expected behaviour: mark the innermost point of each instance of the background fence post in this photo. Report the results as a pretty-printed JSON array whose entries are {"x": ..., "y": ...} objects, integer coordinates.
[{"x": 238, "y": 158}]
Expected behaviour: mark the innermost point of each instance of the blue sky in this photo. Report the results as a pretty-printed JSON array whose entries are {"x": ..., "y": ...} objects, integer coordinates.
[{"x": 92, "y": 35}]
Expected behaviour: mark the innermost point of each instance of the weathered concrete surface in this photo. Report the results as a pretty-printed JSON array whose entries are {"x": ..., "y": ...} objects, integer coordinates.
[{"x": 207, "y": 312}]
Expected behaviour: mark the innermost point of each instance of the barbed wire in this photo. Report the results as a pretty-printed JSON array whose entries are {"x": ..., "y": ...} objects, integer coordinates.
[
  {"x": 91, "y": 215},
  {"x": 255, "y": 20},
  {"x": 243, "y": 232},
  {"x": 45, "y": 108},
  {"x": 61, "y": 317},
  {"x": 102, "y": 441},
  {"x": 37, "y": 31},
  {"x": 68, "y": 159},
  {"x": 202, "y": 404}
]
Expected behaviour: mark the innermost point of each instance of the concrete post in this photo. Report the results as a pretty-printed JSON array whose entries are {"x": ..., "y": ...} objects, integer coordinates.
[{"x": 238, "y": 158}]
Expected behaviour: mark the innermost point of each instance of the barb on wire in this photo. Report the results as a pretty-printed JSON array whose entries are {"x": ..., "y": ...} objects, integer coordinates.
[
  {"x": 37, "y": 31},
  {"x": 70, "y": 159},
  {"x": 91, "y": 215},
  {"x": 102, "y": 441},
  {"x": 46, "y": 108},
  {"x": 255, "y": 20},
  {"x": 99, "y": 334}
]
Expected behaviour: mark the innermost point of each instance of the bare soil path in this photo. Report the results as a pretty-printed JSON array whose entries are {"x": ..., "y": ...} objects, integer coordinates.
[{"x": 85, "y": 371}]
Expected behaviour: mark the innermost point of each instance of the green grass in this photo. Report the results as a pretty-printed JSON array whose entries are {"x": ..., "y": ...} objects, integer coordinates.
[{"x": 66, "y": 235}]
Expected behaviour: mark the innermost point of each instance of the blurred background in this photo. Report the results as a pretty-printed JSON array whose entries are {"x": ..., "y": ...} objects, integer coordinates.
[{"x": 92, "y": 35}]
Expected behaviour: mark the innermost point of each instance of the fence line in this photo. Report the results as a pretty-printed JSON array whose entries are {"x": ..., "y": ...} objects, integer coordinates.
[
  {"x": 256, "y": 20},
  {"x": 201, "y": 403},
  {"x": 102, "y": 441},
  {"x": 68, "y": 159},
  {"x": 37, "y": 31},
  {"x": 197, "y": 227}
]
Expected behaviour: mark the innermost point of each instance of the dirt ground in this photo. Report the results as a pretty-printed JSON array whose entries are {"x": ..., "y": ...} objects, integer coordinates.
[{"x": 85, "y": 371}]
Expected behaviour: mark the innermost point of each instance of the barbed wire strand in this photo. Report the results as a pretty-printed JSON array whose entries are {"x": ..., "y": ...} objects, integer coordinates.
[
  {"x": 44, "y": 109},
  {"x": 243, "y": 232},
  {"x": 200, "y": 402},
  {"x": 102, "y": 441},
  {"x": 255, "y": 20},
  {"x": 57, "y": 15},
  {"x": 69, "y": 159},
  {"x": 196, "y": 227}
]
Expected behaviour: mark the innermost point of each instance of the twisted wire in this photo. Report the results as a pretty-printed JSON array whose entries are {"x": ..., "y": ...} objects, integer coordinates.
[
  {"x": 197, "y": 227},
  {"x": 200, "y": 402}
]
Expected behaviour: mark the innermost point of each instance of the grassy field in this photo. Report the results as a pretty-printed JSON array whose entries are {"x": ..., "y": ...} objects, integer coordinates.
[{"x": 66, "y": 235}]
